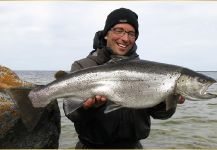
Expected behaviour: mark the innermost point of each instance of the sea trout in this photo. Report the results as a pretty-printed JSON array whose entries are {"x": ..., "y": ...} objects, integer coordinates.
[{"x": 133, "y": 84}]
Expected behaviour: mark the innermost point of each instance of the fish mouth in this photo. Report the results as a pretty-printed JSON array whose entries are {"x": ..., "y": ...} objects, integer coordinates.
[{"x": 208, "y": 90}]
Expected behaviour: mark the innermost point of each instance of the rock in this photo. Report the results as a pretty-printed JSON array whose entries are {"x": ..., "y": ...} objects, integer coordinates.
[
  {"x": 13, "y": 133},
  {"x": 10, "y": 79}
]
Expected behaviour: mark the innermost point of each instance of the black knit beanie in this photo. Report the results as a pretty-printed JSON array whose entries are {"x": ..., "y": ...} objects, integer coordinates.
[{"x": 121, "y": 15}]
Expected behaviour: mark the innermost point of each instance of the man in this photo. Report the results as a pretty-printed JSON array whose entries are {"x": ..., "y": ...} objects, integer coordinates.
[{"x": 124, "y": 127}]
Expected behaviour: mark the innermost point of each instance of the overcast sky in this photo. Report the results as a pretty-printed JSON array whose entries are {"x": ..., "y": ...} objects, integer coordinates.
[{"x": 51, "y": 35}]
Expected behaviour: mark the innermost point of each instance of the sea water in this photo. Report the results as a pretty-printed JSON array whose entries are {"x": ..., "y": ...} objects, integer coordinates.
[{"x": 194, "y": 125}]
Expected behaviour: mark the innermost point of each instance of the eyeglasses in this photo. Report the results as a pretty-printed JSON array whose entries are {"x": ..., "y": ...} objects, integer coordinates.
[{"x": 121, "y": 32}]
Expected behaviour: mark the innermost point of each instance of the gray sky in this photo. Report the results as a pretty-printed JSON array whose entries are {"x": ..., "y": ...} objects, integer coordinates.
[{"x": 37, "y": 35}]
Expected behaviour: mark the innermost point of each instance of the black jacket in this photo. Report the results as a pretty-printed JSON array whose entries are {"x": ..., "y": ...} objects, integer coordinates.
[{"x": 95, "y": 128}]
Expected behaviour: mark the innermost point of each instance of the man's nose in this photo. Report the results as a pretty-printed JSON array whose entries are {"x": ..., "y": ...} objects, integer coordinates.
[{"x": 125, "y": 37}]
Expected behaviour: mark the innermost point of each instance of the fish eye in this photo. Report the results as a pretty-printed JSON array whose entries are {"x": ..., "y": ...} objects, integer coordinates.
[{"x": 201, "y": 80}]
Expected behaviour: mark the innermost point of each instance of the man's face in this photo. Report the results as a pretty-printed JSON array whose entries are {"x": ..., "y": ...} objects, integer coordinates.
[{"x": 121, "y": 38}]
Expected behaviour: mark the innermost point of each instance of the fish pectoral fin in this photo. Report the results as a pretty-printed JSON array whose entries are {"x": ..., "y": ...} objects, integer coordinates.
[
  {"x": 110, "y": 106},
  {"x": 171, "y": 102},
  {"x": 70, "y": 105},
  {"x": 30, "y": 116}
]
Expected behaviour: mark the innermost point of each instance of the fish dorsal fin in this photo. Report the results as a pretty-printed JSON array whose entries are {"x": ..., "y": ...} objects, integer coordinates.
[{"x": 59, "y": 74}]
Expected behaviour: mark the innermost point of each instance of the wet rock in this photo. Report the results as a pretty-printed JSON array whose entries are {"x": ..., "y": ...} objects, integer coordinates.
[
  {"x": 10, "y": 79},
  {"x": 9, "y": 115}
]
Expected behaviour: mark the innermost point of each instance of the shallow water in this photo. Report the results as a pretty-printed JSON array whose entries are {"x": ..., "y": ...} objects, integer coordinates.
[{"x": 194, "y": 125}]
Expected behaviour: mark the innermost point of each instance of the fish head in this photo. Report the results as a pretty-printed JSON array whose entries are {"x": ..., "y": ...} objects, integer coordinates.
[{"x": 193, "y": 85}]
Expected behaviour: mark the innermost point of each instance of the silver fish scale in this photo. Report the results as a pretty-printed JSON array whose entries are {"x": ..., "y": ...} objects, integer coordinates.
[{"x": 135, "y": 89}]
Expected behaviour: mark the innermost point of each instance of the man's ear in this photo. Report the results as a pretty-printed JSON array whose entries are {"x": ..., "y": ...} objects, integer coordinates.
[{"x": 105, "y": 37}]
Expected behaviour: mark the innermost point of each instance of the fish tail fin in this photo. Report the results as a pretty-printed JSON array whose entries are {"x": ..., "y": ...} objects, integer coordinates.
[{"x": 30, "y": 116}]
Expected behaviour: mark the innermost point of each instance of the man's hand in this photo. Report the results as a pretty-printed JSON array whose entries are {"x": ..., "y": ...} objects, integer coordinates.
[{"x": 94, "y": 102}]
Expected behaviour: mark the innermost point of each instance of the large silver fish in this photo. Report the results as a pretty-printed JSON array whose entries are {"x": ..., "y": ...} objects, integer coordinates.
[{"x": 134, "y": 84}]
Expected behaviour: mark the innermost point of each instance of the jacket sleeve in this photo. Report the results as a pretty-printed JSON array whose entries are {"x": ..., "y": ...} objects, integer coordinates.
[{"x": 159, "y": 111}]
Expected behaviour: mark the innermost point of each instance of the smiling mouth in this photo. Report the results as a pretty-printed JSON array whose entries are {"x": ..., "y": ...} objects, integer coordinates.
[{"x": 121, "y": 45}]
